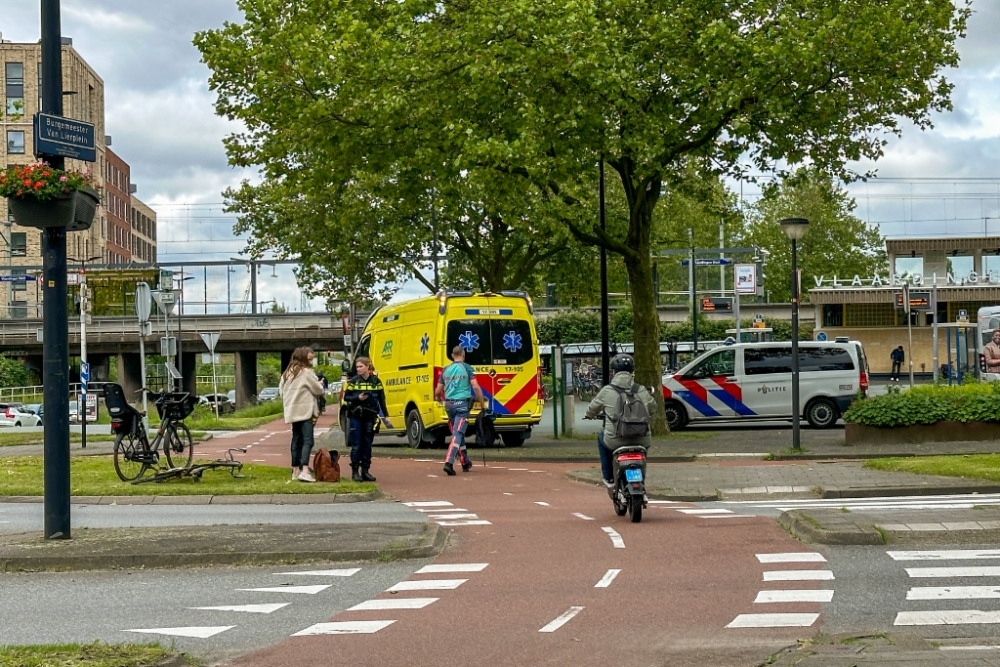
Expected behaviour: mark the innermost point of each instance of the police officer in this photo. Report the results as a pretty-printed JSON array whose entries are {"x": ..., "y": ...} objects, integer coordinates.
[{"x": 364, "y": 399}]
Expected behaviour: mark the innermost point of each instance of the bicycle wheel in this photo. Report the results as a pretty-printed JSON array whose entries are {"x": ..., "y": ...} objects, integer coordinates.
[
  {"x": 129, "y": 459},
  {"x": 178, "y": 446}
]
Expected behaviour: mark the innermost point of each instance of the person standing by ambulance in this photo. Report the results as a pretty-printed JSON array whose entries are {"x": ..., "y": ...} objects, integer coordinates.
[
  {"x": 364, "y": 399},
  {"x": 456, "y": 387}
]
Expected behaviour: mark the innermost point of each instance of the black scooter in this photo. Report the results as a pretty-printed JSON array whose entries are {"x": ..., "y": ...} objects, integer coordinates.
[{"x": 628, "y": 492}]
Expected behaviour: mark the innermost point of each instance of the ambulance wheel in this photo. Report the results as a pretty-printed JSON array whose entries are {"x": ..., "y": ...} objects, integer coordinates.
[
  {"x": 415, "y": 430},
  {"x": 515, "y": 439},
  {"x": 822, "y": 413},
  {"x": 677, "y": 417}
]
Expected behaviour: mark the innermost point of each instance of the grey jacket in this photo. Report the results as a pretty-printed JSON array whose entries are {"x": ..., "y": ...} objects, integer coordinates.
[{"x": 606, "y": 401}]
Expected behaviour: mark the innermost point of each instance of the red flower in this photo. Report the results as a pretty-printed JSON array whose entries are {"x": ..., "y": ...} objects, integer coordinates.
[
  {"x": 39, "y": 185},
  {"x": 27, "y": 182}
]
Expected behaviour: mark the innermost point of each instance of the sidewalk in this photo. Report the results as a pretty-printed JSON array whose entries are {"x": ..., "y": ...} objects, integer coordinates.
[{"x": 903, "y": 649}]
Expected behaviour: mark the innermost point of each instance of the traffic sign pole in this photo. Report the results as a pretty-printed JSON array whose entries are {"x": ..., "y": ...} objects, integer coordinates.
[{"x": 81, "y": 408}]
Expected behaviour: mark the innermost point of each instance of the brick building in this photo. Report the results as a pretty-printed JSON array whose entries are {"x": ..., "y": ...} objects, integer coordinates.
[{"x": 111, "y": 237}]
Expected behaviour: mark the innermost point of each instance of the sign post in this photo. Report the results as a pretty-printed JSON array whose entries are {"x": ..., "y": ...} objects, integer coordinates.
[
  {"x": 745, "y": 277},
  {"x": 143, "y": 295},
  {"x": 211, "y": 339},
  {"x": 908, "y": 309},
  {"x": 81, "y": 409}
]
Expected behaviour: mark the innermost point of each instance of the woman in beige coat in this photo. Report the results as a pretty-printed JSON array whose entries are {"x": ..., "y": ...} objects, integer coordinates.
[{"x": 299, "y": 389}]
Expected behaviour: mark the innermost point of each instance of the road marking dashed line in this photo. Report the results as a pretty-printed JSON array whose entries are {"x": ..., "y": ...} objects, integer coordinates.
[
  {"x": 562, "y": 620},
  {"x": 616, "y": 539},
  {"x": 583, "y": 516},
  {"x": 606, "y": 580}
]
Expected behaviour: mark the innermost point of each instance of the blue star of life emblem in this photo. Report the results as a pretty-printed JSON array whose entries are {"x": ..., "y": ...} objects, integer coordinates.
[
  {"x": 468, "y": 341},
  {"x": 512, "y": 341},
  {"x": 425, "y": 344}
]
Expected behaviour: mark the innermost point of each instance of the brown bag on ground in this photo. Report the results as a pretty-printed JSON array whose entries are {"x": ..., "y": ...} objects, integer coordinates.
[{"x": 326, "y": 465}]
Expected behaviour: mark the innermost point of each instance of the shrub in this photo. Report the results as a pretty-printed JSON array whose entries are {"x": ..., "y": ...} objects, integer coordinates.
[
  {"x": 929, "y": 404},
  {"x": 569, "y": 326}
]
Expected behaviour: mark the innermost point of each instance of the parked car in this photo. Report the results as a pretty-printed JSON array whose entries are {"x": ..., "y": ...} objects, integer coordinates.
[
  {"x": 225, "y": 406},
  {"x": 37, "y": 409},
  {"x": 268, "y": 394},
  {"x": 232, "y": 396},
  {"x": 15, "y": 414}
]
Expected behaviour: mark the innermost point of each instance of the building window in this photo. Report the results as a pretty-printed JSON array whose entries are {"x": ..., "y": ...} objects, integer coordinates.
[
  {"x": 870, "y": 315},
  {"x": 19, "y": 310},
  {"x": 833, "y": 314},
  {"x": 15, "y": 142},
  {"x": 20, "y": 285},
  {"x": 15, "y": 89},
  {"x": 18, "y": 244}
]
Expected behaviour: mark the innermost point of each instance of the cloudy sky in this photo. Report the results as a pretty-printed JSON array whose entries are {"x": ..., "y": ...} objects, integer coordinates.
[{"x": 160, "y": 114}]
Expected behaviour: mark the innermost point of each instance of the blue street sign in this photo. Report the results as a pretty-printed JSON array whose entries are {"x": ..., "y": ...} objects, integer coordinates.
[
  {"x": 84, "y": 372},
  {"x": 707, "y": 262},
  {"x": 64, "y": 137},
  {"x": 14, "y": 279},
  {"x": 821, "y": 336}
]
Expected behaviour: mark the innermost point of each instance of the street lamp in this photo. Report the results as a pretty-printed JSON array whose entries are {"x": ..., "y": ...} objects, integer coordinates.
[{"x": 795, "y": 229}]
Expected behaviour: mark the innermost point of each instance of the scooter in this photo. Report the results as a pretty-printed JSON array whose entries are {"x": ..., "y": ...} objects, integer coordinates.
[{"x": 628, "y": 493}]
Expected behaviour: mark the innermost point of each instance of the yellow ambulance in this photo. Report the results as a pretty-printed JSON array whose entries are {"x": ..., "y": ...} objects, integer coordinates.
[{"x": 410, "y": 344}]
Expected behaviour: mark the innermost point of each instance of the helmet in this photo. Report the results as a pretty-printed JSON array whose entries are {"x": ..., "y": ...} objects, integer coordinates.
[{"x": 623, "y": 362}]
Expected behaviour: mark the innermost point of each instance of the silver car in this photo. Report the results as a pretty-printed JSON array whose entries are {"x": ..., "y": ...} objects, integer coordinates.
[
  {"x": 267, "y": 394},
  {"x": 14, "y": 414}
]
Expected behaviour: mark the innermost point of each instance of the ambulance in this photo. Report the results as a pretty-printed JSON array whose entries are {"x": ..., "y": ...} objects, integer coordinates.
[
  {"x": 746, "y": 381},
  {"x": 410, "y": 344}
]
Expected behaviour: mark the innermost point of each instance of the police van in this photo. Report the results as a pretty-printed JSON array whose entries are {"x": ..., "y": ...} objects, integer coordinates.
[
  {"x": 410, "y": 344},
  {"x": 754, "y": 381}
]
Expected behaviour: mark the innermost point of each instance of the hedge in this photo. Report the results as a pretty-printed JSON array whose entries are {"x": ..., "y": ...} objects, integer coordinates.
[{"x": 928, "y": 404}]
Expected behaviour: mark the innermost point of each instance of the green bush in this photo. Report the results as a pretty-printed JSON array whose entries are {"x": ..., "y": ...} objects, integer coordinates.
[
  {"x": 929, "y": 404},
  {"x": 569, "y": 326},
  {"x": 13, "y": 373}
]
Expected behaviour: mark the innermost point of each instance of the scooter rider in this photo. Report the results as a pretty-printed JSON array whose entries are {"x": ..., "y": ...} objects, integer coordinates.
[{"x": 607, "y": 403}]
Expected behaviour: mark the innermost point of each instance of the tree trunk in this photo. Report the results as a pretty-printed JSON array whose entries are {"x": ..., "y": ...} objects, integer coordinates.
[{"x": 646, "y": 323}]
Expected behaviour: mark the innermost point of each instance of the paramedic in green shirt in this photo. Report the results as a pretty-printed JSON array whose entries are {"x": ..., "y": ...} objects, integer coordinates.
[{"x": 456, "y": 387}]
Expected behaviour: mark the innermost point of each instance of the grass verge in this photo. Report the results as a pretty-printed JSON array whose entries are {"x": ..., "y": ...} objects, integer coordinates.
[
  {"x": 84, "y": 655},
  {"x": 95, "y": 476},
  {"x": 242, "y": 420},
  {"x": 978, "y": 466},
  {"x": 17, "y": 439}
]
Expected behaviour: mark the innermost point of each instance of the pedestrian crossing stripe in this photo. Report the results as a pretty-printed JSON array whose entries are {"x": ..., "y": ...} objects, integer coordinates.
[
  {"x": 203, "y": 632},
  {"x": 250, "y": 608},
  {"x": 953, "y": 592},
  {"x": 773, "y": 621},
  {"x": 798, "y": 557},
  {"x": 947, "y": 617},
  {"x": 344, "y": 628},
  {"x": 822, "y": 595},
  {"x": 306, "y": 590},
  {"x": 941, "y": 572},
  {"x": 954, "y": 554},
  {"x": 798, "y": 575}
]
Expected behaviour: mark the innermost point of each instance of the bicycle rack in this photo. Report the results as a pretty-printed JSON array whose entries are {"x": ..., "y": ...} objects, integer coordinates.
[{"x": 196, "y": 471}]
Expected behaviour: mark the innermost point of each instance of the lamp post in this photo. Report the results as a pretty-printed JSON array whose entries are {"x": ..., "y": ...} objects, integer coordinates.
[{"x": 795, "y": 229}]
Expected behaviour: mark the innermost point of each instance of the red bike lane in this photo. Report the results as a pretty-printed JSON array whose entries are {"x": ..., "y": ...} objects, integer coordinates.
[{"x": 556, "y": 589}]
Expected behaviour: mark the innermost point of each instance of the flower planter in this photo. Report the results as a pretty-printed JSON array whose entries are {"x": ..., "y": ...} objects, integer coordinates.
[
  {"x": 859, "y": 434},
  {"x": 74, "y": 211}
]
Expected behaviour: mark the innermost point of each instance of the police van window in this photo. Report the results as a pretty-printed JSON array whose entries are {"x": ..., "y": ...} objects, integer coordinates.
[
  {"x": 825, "y": 359},
  {"x": 722, "y": 363},
  {"x": 474, "y": 337},
  {"x": 767, "y": 360},
  {"x": 511, "y": 342}
]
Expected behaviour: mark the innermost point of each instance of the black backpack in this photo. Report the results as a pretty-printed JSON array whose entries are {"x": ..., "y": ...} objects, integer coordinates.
[
  {"x": 633, "y": 417},
  {"x": 486, "y": 432}
]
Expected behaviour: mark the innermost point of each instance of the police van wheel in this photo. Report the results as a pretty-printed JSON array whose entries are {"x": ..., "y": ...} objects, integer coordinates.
[
  {"x": 676, "y": 415},
  {"x": 415, "y": 430},
  {"x": 822, "y": 413}
]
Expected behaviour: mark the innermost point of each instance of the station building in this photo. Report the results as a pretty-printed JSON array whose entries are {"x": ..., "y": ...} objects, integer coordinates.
[{"x": 948, "y": 277}]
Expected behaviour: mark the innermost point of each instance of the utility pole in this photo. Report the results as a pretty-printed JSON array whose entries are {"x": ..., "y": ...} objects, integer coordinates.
[
  {"x": 85, "y": 310},
  {"x": 55, "y": 341},
  {"x": 605, "y": 326}
]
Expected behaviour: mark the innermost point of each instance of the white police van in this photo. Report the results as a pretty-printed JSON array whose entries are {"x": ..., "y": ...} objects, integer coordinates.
[{"x": 754, "y": 381}]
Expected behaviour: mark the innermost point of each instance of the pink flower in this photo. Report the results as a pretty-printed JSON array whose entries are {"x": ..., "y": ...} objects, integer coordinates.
[{"x": 63, "y": 179}]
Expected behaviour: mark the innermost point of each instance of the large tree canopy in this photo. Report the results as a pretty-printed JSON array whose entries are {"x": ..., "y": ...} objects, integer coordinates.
[{"x": 540, "y": 89}]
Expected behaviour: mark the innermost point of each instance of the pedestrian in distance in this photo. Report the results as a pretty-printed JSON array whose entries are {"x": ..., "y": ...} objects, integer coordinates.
[
  {"x": 364, "y": 399},
  {"x": 897, "y": 357},
  {"x": 991, "y": 353},
  {"x": 300, "y": 389},
  {"x": 610, "y": 403},
  {"x": 456, "y": 387}
]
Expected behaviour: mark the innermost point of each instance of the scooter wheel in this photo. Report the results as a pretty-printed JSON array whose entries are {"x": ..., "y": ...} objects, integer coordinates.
[
  {"x": 635, "y": 509},
  {"x": 621, "y": 500}
]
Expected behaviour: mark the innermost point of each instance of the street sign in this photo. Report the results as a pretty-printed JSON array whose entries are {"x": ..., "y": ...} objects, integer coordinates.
[
  {"x": 211, "y": 339},
  {"x": 821, "y": 336},
  {"x": 168, "y": 346},
  {"x": 64, "y": 137},
  {"x": 143, "y": 297},
  {"x": 84, "y": 372},
  {"x": 707, "y": 262},
  {"x": 165, "y": 300},
  {"x": 963, "y": 316},
  {"x": 166, "y": 279},
  {"x": 14, "y": 279},
  {"x": 145, "y": 328},
  {"x": 347, "y": 340},
  {"x": 716, "y": 304},
  {"x": 746, "y": 278}
]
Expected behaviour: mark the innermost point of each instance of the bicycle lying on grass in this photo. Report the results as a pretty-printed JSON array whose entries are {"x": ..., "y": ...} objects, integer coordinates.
[{"x": 134, "y": 454}]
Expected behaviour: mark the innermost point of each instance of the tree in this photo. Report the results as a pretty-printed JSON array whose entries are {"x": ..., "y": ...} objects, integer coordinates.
[
  {"x": 13, "y": 373},
  {"x": 541, "y": 89},
  {"x": 836, "y": 243}
]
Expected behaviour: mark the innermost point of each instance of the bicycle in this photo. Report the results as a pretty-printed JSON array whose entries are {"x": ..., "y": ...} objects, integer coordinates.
[{"x": 133, "y": 453}]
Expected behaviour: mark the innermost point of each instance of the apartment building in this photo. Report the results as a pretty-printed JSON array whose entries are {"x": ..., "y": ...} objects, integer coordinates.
[
  {"x": 143, "y": 232},
  {"x": 111, "y": 238}
]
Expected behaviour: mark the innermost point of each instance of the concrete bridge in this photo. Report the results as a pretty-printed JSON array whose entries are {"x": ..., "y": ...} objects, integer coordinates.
[{"x": 244, "y": 335}]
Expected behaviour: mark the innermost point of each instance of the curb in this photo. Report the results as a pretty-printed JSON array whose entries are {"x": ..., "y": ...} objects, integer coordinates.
[
  {"x": 806, "y": 528},
  {"x": 870, "y": 492},
  {"x": 652, "y": 495},
  {"x": 271, "y": 499},
  {"x": 438, "y": 540}
]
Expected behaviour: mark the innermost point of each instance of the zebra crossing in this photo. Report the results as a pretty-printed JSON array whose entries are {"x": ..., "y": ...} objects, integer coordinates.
[
  {"x": 880, "y": 504},
  {"x": 395, "y": 603},
  {"x": 777, "y": 596},
  {"x": 444, "y": 513},
  {"x": 957, "y": 567}
]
